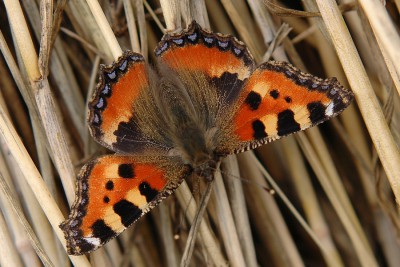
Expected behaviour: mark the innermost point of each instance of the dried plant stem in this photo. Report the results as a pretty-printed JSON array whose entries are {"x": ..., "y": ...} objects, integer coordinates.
[
  {"x": 86, "y": 26},
  {"x": 171, "y": 12},
  {"x": 35, "y": 242},
  {"x": 187, "y": 202},
  {"x": 328, "y": 166},
  {"x": 22, "y": 37},
  {"x": 154, "y": 16},
  {"x": 239, "y": 210},
  {"x": 366, "y": 98},
  {"x": 130, "y": 21},
  {"x": 8, "y": 253},
  {"x": 226, "y": 224},
  {"x": 58, "y": 145},
  {"x": 167, "y": 236},
  {"x": 46, "y": 14},
  {"x": 18, "y": 151},
  {"x": 287, "y": 202},
  {"x": 35, "y": 181},
  {"x": 41, "y": 90},
  {"x": 307, "y": 195},
  {"x": 105, "y": 28},
  {"x": 267, "y": 219},
  {"x": 99, "y": 258},
  {"x": 191, "y": 240},
  {"x": 385, "y": 31},
  {"x": 38, "y": 220},
  {"x": 186, "y": 12},
  {"x": 16, "y": 229},
  {"x": 142, "y": 28},
  {"x": 363, "y": 251}
]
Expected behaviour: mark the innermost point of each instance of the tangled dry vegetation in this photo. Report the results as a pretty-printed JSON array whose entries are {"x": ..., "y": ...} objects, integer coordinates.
[{"x": 337, "y": 184}]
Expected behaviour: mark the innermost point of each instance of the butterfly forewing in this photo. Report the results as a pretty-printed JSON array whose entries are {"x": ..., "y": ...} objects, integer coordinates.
[
  {"x": 225, "y": 61},
  {"x": 112, "y": 119}
]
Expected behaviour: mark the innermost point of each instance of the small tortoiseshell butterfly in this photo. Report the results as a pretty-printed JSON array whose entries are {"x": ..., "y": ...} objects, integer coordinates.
[{"x": 205, "y": 99}]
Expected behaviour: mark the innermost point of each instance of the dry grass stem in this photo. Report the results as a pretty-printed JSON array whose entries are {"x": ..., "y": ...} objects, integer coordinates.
[
  {"x": 366, "y": 99},
  {"x": 357, "y": 237},
  {"x": 16, "y": 230},
  {"x": 310, "y": 204},
  {"x": 171, "y": 13},
  {"x": 34, "y": 240},
  {"x": 154, "y": 16},
  {"x": 34, "y": 179},
  {"x": 385, "y": 31},
  {"x": 194, "y": 228},
  {"x": 284, "y": 198},
  {"x": 226, "y": 223},
  {"x": 239, "y": 210},
  {"x": 105, "y": 28},
  {"x": 168, "y": 236},
  {"x": 8, "y": 253},
  {"x": 46, "y": 13},
  {"x": 18, "y": 25},
  {"x": 269, "y": 222},
  {"x": 188, "y": 204},
  {"x": 130, "y": 20}
]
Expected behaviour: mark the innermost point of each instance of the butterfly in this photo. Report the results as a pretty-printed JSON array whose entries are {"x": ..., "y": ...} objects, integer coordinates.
[{"x": 204, "y": 99}]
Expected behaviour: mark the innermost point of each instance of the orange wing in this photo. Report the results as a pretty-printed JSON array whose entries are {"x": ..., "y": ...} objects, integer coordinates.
[
  {"x": 278, "y": 100},
  {"x": 112, "y": 118},
  {"x": 222, "y": 58},
  {"x": 113, "y": 192}
]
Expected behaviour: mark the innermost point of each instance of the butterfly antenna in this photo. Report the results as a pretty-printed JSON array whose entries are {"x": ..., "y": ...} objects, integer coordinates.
[
  {"x": 245, "y": 180},
  {"x": 188, "y": 252}
]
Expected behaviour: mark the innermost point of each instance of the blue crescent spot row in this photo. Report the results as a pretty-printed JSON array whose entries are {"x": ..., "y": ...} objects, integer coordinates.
[
  {"x": 109, "y": 75},
  {"x": 195, "y": 35}
]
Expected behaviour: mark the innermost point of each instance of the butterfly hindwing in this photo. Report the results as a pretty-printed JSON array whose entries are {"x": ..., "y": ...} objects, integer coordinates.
[
  {"x": 279, "y": 100},
  {"x": 113, "y": 192}
]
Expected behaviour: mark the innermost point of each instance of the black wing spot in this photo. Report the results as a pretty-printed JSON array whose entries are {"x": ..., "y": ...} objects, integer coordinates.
[
  {"x": 110, "y": 185},
  {"x": 259, "y": 129},
  {"x": 286, "y": 123},
  {"x": 126, "y": 171},
  {"x": 274, "y": 93},
  {"x": 228, "y": 86},
  {"x": 146, "y": 190},
  {"x": 102, "y": 231},
  {"x": 317, "y": 112},
  {"x": 127, "y": 211},
  {"x": 253, "y": 100}
]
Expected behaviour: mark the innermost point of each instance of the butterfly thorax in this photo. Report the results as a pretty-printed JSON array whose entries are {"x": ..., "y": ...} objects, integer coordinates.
[
  {"x": 181, "y": 108},
  {"x": 195, "y": 147}
]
